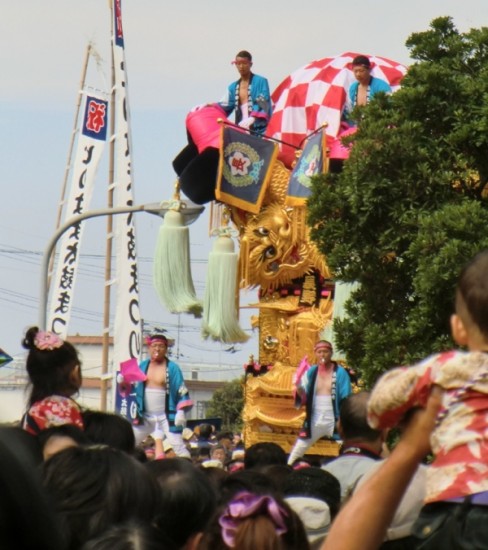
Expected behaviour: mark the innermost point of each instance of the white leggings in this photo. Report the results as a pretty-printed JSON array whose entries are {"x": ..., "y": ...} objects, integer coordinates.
[
  {"x": 155, "y": 419},
  {"x": 322, "y": 425}
]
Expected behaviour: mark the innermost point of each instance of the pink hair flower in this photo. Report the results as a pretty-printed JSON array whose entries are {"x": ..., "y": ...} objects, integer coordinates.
[{"x": 45, "y": 340}]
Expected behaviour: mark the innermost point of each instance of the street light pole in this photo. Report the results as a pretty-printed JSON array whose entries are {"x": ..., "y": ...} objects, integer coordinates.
[
  {"x": 190, "y": 214},
  {"x": 44, "y": 290}
]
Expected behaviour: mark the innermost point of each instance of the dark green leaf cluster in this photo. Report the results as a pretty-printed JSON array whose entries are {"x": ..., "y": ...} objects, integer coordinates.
[
  {"x": 410, "y": 205},
  {"x": 227, "y": 403}
]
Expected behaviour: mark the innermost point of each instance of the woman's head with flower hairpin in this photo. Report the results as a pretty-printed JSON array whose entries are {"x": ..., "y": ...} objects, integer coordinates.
[{"x": 53, "y": 365}]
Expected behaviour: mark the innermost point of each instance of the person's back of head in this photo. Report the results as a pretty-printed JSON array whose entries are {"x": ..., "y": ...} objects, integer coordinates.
[
  {"x": 110, "y": 429},
  {"x": 315, "y": 483},
  {"x": 277, "y": 473},
  {"x": 53, "y": 365},
  {"x": 188, "y": 499},
  {"x": 264, "y": 454},
  {"x": 216, "y": 476},
  {"x": 316, "y": 498},
  {"x": 131, "y": 536},
  {"x": 93, "y": 488},
  {"x": 472, "y": 296},
  {"x": 353, "y": 424},
  {"x": 57, "y": 438},
  {"x": 255, "y": 521},
  {"x": 205, "y": 431},
  {"x": 27, "y": 520},
  {"x": 202, "y": 454},
  {"x": 253, "y": 481}
]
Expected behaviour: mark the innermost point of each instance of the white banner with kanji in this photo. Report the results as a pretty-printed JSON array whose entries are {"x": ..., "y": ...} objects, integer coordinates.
[
  {"x": 127, "y": 324},
  {"x": 92, "y": 135}
]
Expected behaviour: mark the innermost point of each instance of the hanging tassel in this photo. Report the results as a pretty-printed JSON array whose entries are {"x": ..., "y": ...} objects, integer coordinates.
[
  {"x": 171, "y": 273},
  {"x": 220, "y": 312}
]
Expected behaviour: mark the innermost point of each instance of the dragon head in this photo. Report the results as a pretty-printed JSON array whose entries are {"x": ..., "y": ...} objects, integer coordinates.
[{"x": 275, "y": 250}]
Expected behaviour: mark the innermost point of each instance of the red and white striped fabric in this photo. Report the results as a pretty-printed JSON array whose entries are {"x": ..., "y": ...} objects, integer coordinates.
[{"x": 316, "y": 93}]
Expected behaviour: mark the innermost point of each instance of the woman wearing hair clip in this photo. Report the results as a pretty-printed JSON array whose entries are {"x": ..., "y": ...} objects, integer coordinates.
[
  {"x": 258, "y": 521},
  {"x": 54, "y": 370}
]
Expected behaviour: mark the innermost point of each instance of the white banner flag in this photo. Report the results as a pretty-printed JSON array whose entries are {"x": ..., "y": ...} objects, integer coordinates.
[
  {"x": 92, "y": 135},
  {"x": 127, "y": 327}
]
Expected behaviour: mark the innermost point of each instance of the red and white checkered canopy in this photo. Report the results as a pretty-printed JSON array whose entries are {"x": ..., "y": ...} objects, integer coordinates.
[{"x": 316, "y": 93}]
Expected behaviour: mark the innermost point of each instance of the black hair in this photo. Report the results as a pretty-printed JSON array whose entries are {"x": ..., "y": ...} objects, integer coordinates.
[
  {"x": 64, "y": 430},
  {"x": 50, "y": 370},
  {"x": 472, "y": 289},
  {"x": 131, "y": 536},
  {"x": 158, "y": 336},
  {"x": 215, "y": 475},
  {"x": 26, "y": 515},
  {"x": 93, "y": 488},
  {"x": 109, "y": 429},
  {"x": 252, "y": 481},
  {"x": 264, "y": 454},
  {"x": 245, "y": 54},
  {"x": 188, "y": 499},
  {"x": 353, "y": 418},
  {"x": 205, "y": 430},
  {"x": 224, "y": 435},
  {"x": 361, "y": 60},
  {"x": 315, "y": 483},
  {"x": 278, "y": 473}
]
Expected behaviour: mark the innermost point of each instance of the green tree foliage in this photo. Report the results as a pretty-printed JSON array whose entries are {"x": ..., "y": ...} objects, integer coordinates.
[
  {"x": 227, "y": 403},
  {"x": 409, "y": 207}
]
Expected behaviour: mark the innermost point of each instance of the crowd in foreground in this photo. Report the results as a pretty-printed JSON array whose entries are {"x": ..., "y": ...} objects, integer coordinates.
[
  {"x": 86, "y": 485},
  {"x": 94, "y": 489}
]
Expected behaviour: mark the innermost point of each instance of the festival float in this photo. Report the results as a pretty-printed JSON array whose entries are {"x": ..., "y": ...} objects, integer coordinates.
[{"x": 258, "y": 190}]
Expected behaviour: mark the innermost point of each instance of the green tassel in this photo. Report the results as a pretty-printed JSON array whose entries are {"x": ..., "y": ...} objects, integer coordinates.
[
  {"x": 220, "y": 319},
  {"x": 172, "y": 274}
]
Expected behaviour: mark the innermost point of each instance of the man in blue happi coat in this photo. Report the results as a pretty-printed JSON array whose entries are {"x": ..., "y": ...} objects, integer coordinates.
[{"x": 249, "y": 97}]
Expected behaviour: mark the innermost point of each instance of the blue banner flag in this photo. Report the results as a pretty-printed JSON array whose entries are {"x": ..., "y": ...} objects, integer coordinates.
[
  {"x": 126, "y": 402},
  {"x": 4, "y": 358},
  {"x": 312, "y": 161},
  {"x": 245, "y": 167}
]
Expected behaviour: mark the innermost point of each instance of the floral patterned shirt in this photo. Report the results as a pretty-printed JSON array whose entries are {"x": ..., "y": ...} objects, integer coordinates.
[
  {"x": 54, "y": 410},
  {"x": 460, "y": 439}
]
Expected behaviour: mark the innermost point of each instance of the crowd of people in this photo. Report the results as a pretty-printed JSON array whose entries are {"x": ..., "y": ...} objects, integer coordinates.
[
  {"x": 74, "y": 479},
  {"x": 94, "y": 480},
  {"x": 97, "y": 487},
  {"x": 93, "y": 488}
]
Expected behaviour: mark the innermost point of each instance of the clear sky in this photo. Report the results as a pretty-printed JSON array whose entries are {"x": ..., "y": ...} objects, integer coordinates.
[{"x": 178, "y": 56}]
